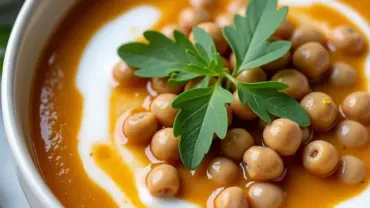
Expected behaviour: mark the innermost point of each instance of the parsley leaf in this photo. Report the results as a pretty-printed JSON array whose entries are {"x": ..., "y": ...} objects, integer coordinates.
[
  {"x": 202, "y": 113},
  {"x": 208, "y": 60},
  {"x": 248, "y": 38},
  {"x": 268, "y": 100},
  {"x": 160, "y": 57}
]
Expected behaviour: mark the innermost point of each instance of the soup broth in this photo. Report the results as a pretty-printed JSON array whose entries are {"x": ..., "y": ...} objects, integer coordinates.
[{"x": 59, "y": 105}]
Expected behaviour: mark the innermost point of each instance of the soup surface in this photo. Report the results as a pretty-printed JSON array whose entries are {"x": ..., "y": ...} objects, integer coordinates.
[{"x": 78, "y": 110}]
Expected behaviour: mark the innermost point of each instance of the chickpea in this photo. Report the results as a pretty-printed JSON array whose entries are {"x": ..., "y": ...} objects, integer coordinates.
[
  {"x": 285, "y": 30},
  {"x": 235, "y": 6},
  {"x": 351, "y": 170},
  {"x": 161, "y": 106},
  {"x": 243, "y": 111},
  {"x": 297, "y": 82},
  {"x": 232, "y": 197},
  {"x": 348, "y": 40},
  {"x": 252, "y": 75},
  {"x": 307, "y": 135},
  {"x": 169, "y": 29},
  {"x": 224, "y": 20},
  {"x": 232, "y": 61},
  {"x": 202, "y": 4},
  {"x": 343, "y": 75},
  {"x": 262, "y": 163},
  {"x": 242, "y": 11},
  {"x": 352, "y": 134},
  {"x": 312, "y": 59},
  {"x": 190, "y": 17},
  {"x": 229, "y": 114},
  {"x": 320, "y": 158},
  {"x": 356, "y": 106},
  {"x": 236, "y": 142},
  {"x": 305, "y": 34},
  {"x": 125, "y": 75},
  {"x": 140, "y": 127},
  {"x": 278, "y": 64},
  {"x": 321, "y": 109},
  {"x": 215, "y": 32},
  {"x": 266, "y": 195},
  {"x": 161, "y": 85},
  {"x": 163, "y": 181},
  {"x": 164, "y": 145},
  {"x": 283, "y": 135},
  {"x": 223, "y": 171}
]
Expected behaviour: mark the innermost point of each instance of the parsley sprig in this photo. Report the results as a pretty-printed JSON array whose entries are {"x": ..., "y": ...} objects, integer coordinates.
[{"x": 202, "y": 110}]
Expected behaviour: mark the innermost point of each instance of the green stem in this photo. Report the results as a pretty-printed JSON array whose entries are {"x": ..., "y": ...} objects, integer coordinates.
[{"x": 231, "y": 78}]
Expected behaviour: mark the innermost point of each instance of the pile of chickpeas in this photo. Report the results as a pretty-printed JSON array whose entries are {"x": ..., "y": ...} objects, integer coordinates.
[{"x": 308, "y": 62}]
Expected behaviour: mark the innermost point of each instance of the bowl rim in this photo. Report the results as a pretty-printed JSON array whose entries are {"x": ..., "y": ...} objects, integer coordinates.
[{"x": 26, "y": 168}]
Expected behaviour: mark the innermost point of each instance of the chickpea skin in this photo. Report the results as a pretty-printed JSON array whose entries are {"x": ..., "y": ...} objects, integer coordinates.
[
  {"x": 278, "y": 64},
  {"x": 312, "y": 59},
  {"x": 161, "y": 85},
  {"x": 348, "y": 40},
  {"x": 232, "y": 61},
  {"x": 283, "y": 135},
  {"x": 266, "y": 195},
  {"x": 164, "y": 146},
  {"x": 163, "y": 181},
  {"x": 125, "y": 75},
  {"x": 236, "y": 142},
  {"x": 307, "y": 135},
  {"x": 224, "y": 20},
  {"x": 305, "y": 34},
  {"x": 223, "y": 171},
  {"x": 351, "y": 170},
  {"x": 243, "y": 111},
  {"x": 352, "y": 134},
  {"x": 342, "y": 75},
  {"x": 229, "y": 114},
  {"x": 232, "y": 197},
  {"x": 252, "y": 75},
  {"x": 320, "y": 158},
  {"x": 235, "y": 6},
  {"x": 202, "y": 4},
  {"x": 285, "y": 30},
  {"x": 297, "y": 82},
  {"x": 161, "y": 106},
  {"x": 215, "y": 32},
  {"x": 140, "y": 127},
  {"x": 169, "y": 29},
  {"x": 190, "y": 17},
  {"x": 321, "y": 109},
  {"x": 356, "y": 106},
  {"x": 262, "y": 163}
]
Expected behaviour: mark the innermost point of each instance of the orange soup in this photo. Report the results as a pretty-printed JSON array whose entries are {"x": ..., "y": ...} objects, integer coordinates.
[{"x": 79, "y": 116}]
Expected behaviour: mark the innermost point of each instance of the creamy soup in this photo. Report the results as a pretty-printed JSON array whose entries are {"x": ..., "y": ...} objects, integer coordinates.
[{"x": 79, "y": 110}]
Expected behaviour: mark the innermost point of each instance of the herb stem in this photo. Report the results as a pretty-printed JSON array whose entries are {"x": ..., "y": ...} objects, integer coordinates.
[{"x": 231, "y": 78}]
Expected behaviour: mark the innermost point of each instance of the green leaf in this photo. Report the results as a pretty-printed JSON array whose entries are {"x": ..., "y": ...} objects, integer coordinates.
[
  {"x": 248, "y": 37},
  {"x": 266, "y": 101},
  {"x": 4, "y": 36},
  {"x": 160, "y": 57},
  {"x": 264, "y": 85},
  {"x": 208, "y": 61},
  {"x": 202, "y": 114}
]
